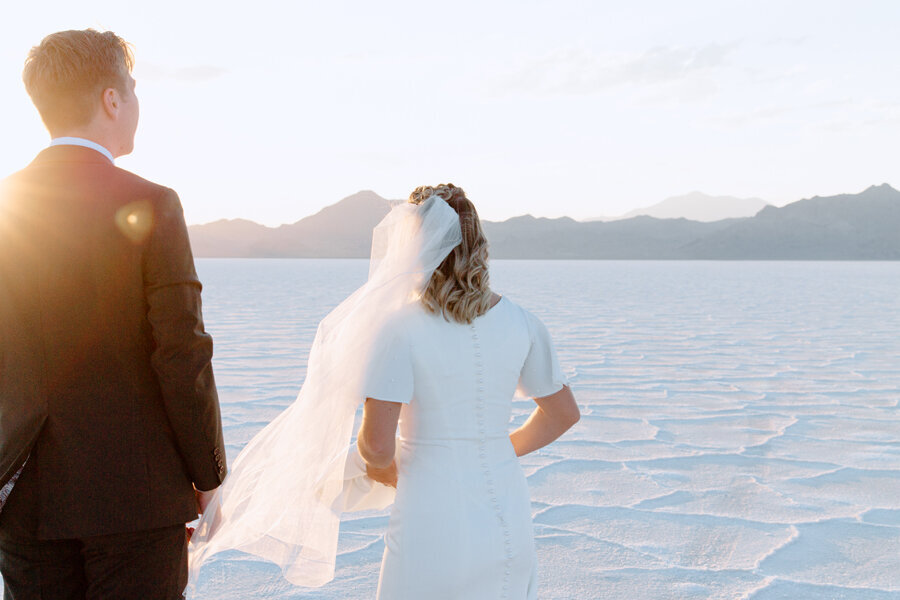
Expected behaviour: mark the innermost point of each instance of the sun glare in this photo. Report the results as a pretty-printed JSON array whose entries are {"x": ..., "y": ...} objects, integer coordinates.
[{"x": 135, "y": 220}]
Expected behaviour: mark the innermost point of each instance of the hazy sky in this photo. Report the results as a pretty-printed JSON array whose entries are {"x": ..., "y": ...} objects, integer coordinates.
[{"x": 271, "y": 110}]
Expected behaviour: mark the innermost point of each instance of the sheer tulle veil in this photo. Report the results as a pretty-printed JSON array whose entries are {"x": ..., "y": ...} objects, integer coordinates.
[{"x": 282, "y": 499}]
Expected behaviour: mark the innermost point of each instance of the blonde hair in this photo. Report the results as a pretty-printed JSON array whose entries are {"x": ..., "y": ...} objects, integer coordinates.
[
  {"x": 459, "y": 288},
  {"x": 66, "y": 73}
]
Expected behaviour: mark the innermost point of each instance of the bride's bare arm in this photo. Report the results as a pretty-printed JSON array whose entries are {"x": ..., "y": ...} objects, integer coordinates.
[
  {"x": 554, "y": 415},
  {"x": 378, "y": 431}
]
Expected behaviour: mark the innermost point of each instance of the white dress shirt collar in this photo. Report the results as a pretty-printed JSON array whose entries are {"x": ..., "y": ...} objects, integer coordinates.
[{"x": 77, "y": 141}]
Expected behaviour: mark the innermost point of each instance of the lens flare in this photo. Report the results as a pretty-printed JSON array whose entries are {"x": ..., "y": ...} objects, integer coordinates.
[{"x": 135, "y": 220}]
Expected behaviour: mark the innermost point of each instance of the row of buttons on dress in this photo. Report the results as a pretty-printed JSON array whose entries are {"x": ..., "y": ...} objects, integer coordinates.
[{"x": 482, "y": 453}]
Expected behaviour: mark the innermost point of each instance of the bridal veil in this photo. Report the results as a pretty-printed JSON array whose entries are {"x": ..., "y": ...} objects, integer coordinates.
[{"x": 284, "y": 495}]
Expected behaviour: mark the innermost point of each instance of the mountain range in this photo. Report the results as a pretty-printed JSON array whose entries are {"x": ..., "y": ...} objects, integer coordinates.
[
  {"x": 697, "y": 206},
  {"x": 863, "y": 226}
]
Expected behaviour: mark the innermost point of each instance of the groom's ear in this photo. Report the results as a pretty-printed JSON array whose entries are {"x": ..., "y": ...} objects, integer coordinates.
[{"x": 111, "y": 101}]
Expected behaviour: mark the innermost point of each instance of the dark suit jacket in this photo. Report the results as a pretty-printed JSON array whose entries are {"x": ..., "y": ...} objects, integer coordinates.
[{"x": 105, "y": 374}]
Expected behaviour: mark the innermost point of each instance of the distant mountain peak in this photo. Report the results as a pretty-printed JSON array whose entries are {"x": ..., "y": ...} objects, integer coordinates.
[
  {"x": 368, "y": 194},
  {"x": 360, "y": 197},
  {"x": 883, "y": 188},
  {"x": 873, "y": 193},
  {"x": 233, "y": 225},
  {"x": 699, "y": 206}
]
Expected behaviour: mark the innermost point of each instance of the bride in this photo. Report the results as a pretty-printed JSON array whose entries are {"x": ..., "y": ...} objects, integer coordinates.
[{"x": 427, "y": 348}]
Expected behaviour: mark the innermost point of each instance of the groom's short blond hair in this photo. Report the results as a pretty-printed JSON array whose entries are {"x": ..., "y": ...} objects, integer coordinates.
[{"x": 66, "y": 73}]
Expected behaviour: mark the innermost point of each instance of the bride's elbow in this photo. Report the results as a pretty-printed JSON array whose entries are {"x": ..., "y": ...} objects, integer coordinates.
[
  {"x": 571, "y": 416},
  {"x": 377, "y": 453},
  {"x": 563, "y": 408}
]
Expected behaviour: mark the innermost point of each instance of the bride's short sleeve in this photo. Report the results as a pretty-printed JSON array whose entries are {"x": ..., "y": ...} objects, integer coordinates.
[
  {"x": 541, "y": 373},
  {"x": 389, "y": 373}
]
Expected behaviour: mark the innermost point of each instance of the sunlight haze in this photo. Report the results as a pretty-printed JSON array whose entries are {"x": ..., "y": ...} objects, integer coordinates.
[{"x": 269, "y": 110}]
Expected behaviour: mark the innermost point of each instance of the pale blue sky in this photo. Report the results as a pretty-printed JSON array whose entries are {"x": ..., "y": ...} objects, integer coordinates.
[{"x": 271, "y": 110}]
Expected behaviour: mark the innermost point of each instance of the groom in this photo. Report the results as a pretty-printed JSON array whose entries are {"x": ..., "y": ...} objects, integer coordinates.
[{"x": 106, "y": 389}]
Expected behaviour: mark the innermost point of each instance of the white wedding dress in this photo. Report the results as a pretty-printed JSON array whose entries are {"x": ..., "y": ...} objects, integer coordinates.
[{"x": 460, "y": 527}]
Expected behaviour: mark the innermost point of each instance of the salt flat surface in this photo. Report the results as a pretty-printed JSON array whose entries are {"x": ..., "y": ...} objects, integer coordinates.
[{"x": 740, "y": 434}]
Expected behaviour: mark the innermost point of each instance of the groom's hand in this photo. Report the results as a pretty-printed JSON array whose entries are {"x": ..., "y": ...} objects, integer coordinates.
[
  {"x": 387, "y": 475},
  {"x": 203, "y": 499}
]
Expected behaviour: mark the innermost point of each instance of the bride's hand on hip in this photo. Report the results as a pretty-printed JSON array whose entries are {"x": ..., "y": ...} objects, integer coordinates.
[{"x": 387, "y": 475}]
